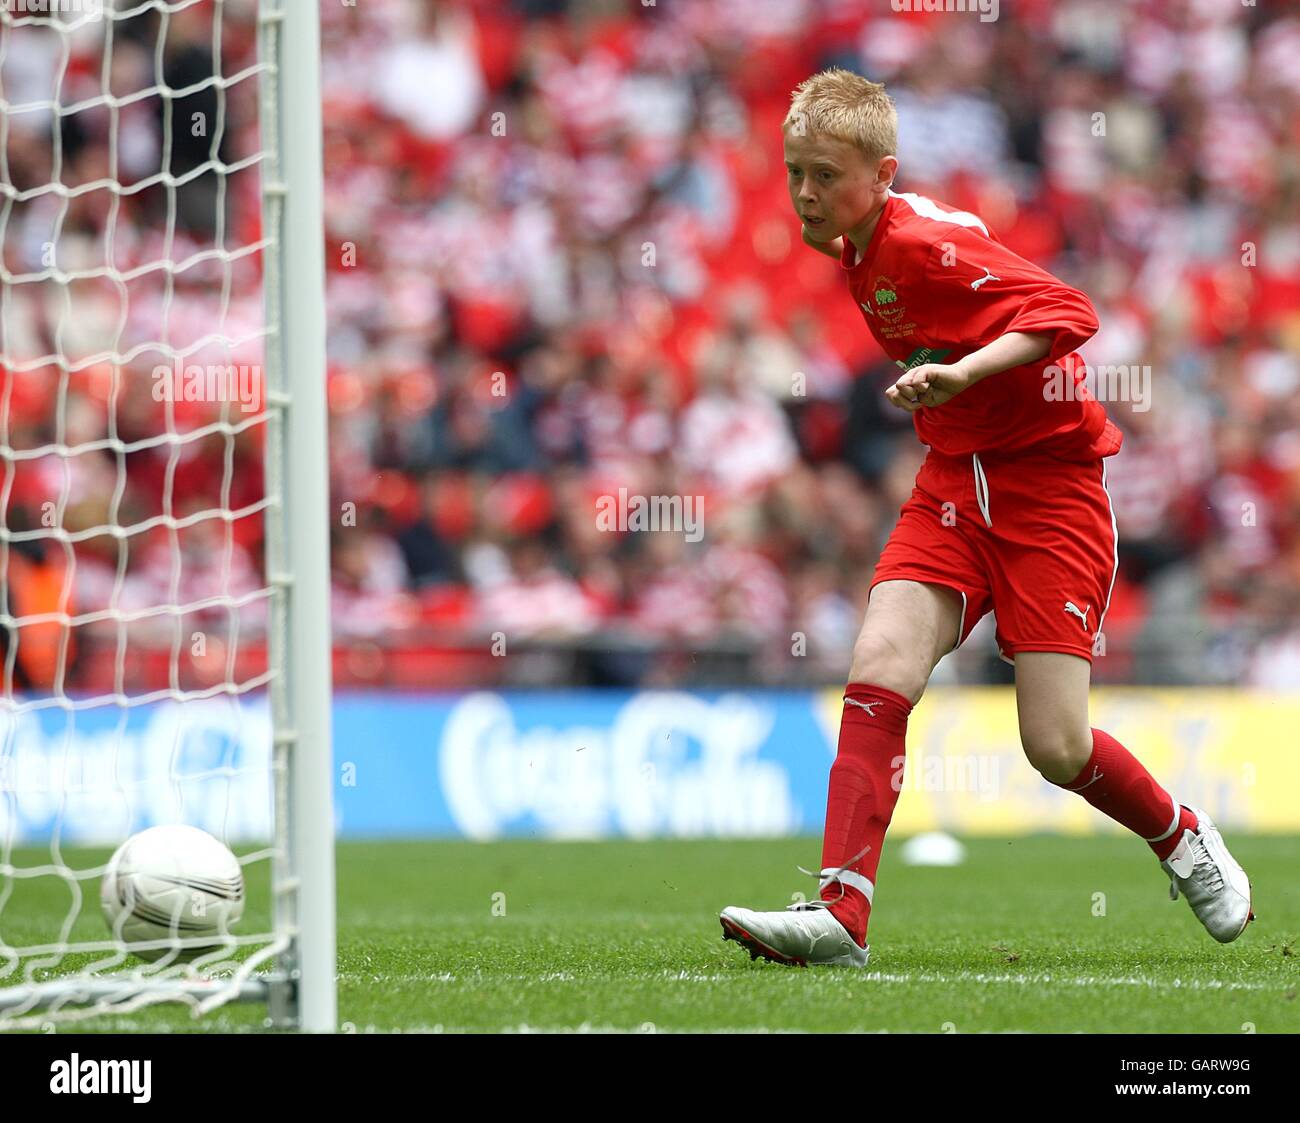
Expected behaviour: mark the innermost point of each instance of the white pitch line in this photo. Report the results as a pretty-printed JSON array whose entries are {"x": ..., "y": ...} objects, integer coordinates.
[
  {"x": 862, "y": 976},
  {"x": 1072, "y": 981}
]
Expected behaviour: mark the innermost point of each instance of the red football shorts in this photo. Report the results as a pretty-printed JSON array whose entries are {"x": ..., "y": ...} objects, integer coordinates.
[{"x": 1029, "y": 537}]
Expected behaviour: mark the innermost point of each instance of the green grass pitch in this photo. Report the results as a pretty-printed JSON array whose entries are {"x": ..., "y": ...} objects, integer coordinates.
[{"x": 624, "y": 936}]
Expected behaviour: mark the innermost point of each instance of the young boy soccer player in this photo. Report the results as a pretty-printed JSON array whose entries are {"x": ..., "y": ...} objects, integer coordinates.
[{"x": 1009, "y": 514}]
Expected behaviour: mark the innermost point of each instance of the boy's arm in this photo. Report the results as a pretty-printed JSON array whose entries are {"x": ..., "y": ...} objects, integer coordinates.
[
  {"x": 1011, "y": 350},
  {"x": 986, "y": 291},
  {"x": 932, "y": 384}
]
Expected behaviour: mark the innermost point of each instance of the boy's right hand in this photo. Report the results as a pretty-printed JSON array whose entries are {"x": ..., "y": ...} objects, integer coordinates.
[{"x": 834, "y": 248}]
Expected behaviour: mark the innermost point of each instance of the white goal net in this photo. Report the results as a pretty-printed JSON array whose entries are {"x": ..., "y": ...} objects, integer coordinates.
[{"x": 163, "y": 558}]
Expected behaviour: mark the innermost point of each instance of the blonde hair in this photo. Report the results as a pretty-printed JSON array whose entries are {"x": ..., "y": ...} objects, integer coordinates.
[{"x": 848, "y": 107}]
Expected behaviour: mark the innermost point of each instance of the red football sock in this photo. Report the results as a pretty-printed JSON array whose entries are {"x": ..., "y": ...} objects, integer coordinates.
[
  {"x": 1116, "y": 784},
  {"x": 865, "y": 781}
]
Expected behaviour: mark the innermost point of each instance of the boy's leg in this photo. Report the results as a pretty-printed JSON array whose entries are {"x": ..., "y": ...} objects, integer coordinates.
[
  {"x": 929, "y": 590},
  {"x": 909, "y": 627},
  {"x": 1052, "y": 704},
  {"x": 1051, "y": 540},
  {"x": 1052, "y": 701}
]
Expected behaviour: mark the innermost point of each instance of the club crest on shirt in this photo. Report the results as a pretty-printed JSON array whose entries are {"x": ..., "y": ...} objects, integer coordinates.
[
  {"x": 891, "y": 312},
  {"x": 885, "y": 295}
]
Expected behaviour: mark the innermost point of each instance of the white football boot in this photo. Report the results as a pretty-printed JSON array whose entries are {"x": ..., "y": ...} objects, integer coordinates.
[
  {"x": 803, "y": 934},
  {"x": 1211, "y": 879}
]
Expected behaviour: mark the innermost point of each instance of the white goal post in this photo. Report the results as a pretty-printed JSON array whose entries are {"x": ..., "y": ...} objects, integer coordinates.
[{"x": 165, "y": 646}]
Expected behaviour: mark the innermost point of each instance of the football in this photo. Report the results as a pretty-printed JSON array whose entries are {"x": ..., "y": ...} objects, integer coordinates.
[{"x": 172, "y": 891}]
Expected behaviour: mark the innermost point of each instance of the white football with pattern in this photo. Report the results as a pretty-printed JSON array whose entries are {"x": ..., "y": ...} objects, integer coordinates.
[{"x": 175, "y": 887}]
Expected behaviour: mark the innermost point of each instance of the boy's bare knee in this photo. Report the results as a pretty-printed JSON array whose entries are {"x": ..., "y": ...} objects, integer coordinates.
[
  {"x": 1058, "y": 754},
  {"x": 878, "y": 660}
]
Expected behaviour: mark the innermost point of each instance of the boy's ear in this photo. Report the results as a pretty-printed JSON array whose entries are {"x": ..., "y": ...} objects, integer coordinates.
[{"x": 887, "y": 170}]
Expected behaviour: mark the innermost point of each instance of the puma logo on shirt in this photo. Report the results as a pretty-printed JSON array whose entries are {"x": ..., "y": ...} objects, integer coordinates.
[{"x": 1073, "y": 609}]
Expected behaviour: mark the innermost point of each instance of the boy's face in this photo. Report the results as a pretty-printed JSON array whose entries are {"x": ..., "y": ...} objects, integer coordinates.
[{"x": 834, "y": 186}]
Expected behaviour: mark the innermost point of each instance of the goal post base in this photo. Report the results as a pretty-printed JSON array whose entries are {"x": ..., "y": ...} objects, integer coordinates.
[{"x": 127, "y": 992}]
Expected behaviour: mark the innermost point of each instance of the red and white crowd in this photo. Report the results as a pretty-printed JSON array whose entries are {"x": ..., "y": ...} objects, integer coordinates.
[{"x": 561, "y": 262}]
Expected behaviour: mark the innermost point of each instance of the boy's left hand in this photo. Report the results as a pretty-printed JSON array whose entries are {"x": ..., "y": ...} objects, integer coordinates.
[{"x": 930, "y": 384}]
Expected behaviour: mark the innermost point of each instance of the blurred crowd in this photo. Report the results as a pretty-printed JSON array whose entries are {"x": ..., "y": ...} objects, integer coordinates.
[{"x": 561, "y": 262}]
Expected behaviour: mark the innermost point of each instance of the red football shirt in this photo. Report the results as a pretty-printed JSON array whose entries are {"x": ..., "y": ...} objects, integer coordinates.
[{"x": 934, "y": 285}]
